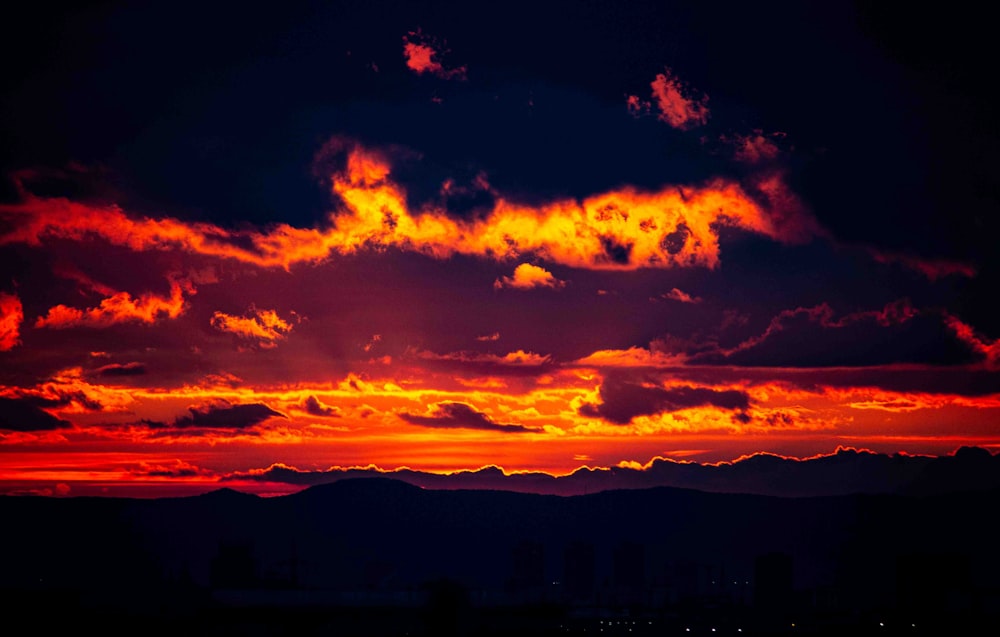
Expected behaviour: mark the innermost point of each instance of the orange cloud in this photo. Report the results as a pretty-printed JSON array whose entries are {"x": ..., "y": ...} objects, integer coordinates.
[
  {"x": 528, "y": 276},
  {"x": 423, "y": 55},
  {"x": 624, "y": 229},
  {"x": 680, "y": 295},
  {"x": 631, "y": 357},
  {"x": 515, "y": 358},
  {"x": 264, "y": 327},
  {"x": 676, "y": 107},
  {"x": 119, "y": 308},
  {"x": 11, "y": 317}
]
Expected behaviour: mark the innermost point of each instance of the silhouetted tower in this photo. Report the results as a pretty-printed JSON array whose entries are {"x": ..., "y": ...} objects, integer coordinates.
[
  {"x": 929, "y": 584},
  {"x": 773, "y": 581},
  {"x": 527, "y": 565},
  {"x": 580, "y": 571},
  {"x": 629, "y": 569},
  {"x": 233, "y": 566}
]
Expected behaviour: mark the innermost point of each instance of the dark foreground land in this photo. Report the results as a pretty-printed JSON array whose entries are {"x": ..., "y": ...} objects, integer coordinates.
[{"x": 379, "y": 557}]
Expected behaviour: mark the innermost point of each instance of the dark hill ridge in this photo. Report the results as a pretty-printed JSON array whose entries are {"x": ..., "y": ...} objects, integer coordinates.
[
  {"x": 362, "y": 542},
  {"x": 335, "y": 532},
  {"x": 848, "y": 471}
]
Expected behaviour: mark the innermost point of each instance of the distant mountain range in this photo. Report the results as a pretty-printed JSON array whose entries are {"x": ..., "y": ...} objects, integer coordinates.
[{"x": 848, "y": 471}]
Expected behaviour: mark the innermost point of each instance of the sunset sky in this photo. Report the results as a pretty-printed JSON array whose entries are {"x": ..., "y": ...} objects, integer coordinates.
[{"x": 536, "y": 235}]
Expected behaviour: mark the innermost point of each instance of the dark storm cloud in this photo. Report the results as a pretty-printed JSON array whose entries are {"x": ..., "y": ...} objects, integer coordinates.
[
  {"x": 622, "y": 399},
  {"x": 221, "y": 415},
  {"x": 449, "y": 415},
  {"x": 26, "y": 414},
  {"x": 943, "y": 380},
  {"x": 820, "y": 337},
  {"x": 314, "y": 407}
]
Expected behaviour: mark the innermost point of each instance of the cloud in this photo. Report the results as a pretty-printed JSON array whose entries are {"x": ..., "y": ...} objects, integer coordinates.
[
  {"x": 423, "y": 55},
  {"x": 754, "y": 148},
  {"x": 816, "y": 336},
  {"x": 632, "y": 357},
  {"x": 26, "y": 414},
  {"x": 932, "y": 269},
  {"x": 636, "y": 106},
  {"x": 314, "y": 407},
  {"x": 683, "y": 297},
  {"x": 988, "y": 349},
  {"x": 677, "y": 107},
  {"x": 263, "y": 327},
  {"x": 174, "y": 469},
  {"x": 119, "y": 308},
  {"x": 516, "y": 363},
  {"x": 528, "y": 276},
  {"x": 222, "y": 415},
  {"x": 116, "y": 369},
  {"x": 623, "y": 229},
  {"x": 11, "y": 317},
  {"x": 452, "y": 415},
  {"x": 495, "y": 336},
  {"x": 623, "y": 399}
]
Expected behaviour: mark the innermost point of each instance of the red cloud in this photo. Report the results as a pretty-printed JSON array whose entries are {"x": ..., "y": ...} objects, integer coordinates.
[
  {"x": 933, "y": 269},
  {"x": 11, "y": 317},
  {"x": 988, "y": 349},
  {"x": 423, "y": 55},
  {"x": 527, "y": 276},
  {"x": 755, "y": 148},
  {"x": 676, "y": 107},
  {"x": 119, "y": 308}
]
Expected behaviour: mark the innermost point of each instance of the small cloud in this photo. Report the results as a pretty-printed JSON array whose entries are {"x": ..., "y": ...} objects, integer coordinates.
[
  {"x": 528, "y": 276},
  {"x": 677, "y": 107},
  {"x": 450, "y": 415},
  {"x": 175, "y": 469},
  {"x": 222, "y": 415},
  {"x": 754, "y": 148},
  {"x": 11, "y": 317},
  {"x": 423, "y": 55},
  {"x": 372, "y": 341},
  {"x": 932, "y": 269},
  {"x": 262, "y": 327},
  {"x": 495, "y": 336},
  {"x": 517, "y": 358},
  {"x": 678, "y": 295},
  {"x": 116, "y": 369},
  {"x": 987, "y": 348},
  {"x": 314, "y": 407}
]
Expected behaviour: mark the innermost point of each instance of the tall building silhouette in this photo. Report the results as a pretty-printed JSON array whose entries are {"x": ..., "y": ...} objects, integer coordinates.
[
  {"x": 773, "y": 581},
  {"x": 580, "y": 571}
]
